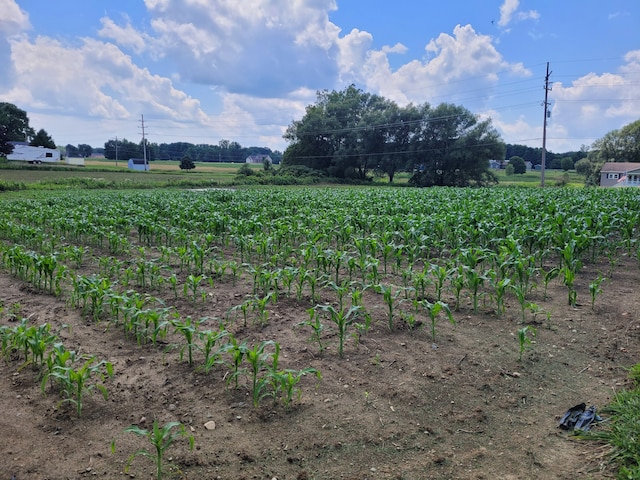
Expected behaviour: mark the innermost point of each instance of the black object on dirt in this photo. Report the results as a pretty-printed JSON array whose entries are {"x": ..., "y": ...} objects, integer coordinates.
[
  {"x": 571, "y": 416},
  {"x": 579, "y": 418}
]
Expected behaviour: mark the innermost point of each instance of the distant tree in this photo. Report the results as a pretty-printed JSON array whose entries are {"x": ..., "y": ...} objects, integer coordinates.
[
  {"x": 42, "y": 139},
  {"x": 85, "y": 150},
  {"x": 72, "y": 150},
  {"x": 246, "y": 170},
  {"x": 553, "y": 164},
  {"x": 5, "y": 147},
  {"x": 583, "y": 167},
  {"x": 186, "y": 163},
  {"x": 16, "y": 122},
  {"x": 519, "y": 166},
  {"x": 125, "y": 150},
  {"x": 566, "y": 163},
  {"x": 509, "y": 170}
]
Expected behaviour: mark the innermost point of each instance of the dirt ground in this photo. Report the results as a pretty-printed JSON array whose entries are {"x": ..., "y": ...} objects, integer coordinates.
[{"x": 397, "y": 406}]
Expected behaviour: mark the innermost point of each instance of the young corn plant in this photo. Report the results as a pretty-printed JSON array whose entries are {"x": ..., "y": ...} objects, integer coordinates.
[
  {"x": 525, "y": 336},
  {"x": 211, "y": 348},
  {"x": 434, "y": 310},
  {"x": 190, "y": 288},
  {"x": 160, "y": 438},
  {"x": 343, "y": 319},
  {"x": 595, "y": 289},
  {"x": 286, "y": 381},
  {"x": 75, "y": 383},
  {"x": 257, "y": 359},
  {"x": 188, "y": 328},
  {"x": 237, "y": 352},
  {"x": 390, "y": 300},
  {"x": 316, "y": 326}
]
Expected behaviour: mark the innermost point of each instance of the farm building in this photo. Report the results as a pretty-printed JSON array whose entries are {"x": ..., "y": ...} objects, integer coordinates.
[
  {"x": 259, "y": 158},
  {"x": 620, "y": 174},
  {"x": 26, "y": 153},
  {"x": 138, "y": 164}
]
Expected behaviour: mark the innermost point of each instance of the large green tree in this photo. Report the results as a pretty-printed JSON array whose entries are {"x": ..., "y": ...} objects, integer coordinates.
[
  {"x": 5, "y": 147},
  {"x": 85, "y": 150},
  {"x": 42, "y": 139},
  {"x": 519, "y": 165},
  {"x": 455, "y": 148},
  {"x": 16, "y": 122},
  {"x": 349, "y": 133}
]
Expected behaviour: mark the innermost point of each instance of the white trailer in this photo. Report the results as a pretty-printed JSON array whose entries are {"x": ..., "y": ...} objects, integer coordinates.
[{"x": 27, "y": 153}]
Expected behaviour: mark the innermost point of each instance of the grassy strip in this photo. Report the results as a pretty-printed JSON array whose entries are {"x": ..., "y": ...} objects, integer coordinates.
[{"x": 622, "y": 431}]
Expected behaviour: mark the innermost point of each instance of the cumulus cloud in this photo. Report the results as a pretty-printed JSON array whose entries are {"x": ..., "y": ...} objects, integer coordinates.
[
  {"x": 126, "y": 36},
  {"x": 451, "y": 60},
  {"x": 95, "y": 79},
  {"x": 509, "y": 11},
  {"x": 13, "y": 21},
  {"x": 259, "y": 47},
  {"x": 597, "y": 103}
]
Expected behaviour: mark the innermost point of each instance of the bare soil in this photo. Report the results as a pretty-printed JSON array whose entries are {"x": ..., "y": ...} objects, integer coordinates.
[{"x": 397, "y": 406}]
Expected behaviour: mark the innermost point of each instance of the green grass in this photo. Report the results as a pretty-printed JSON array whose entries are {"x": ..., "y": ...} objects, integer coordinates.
[
  {"x": 621, "y": 431},
  {"x": 102, "y": 173},
  {"x": 532, "y": 178}
]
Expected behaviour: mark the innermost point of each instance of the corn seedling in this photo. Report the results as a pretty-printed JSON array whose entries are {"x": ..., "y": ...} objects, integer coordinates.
[
  {"x": 595, "y": 289},
  {"x": 212, "y": 355},
  {"x": 525, "y": 335},
  {"x": 287, "y": 381},
  {"x": 434, "y": 310},
  {"x": 75, "y": 383},
  {"x": 390, "y": 300},
  {"x": 188, "y": 329},
  {"x": 160, "y": 438},
  {"x": 343, "y": 319},
  {"x": 191, "y": 286},
  {"x": 316, "y": 326},
  {"x": 260, "y": 304},
  {"x": 237, "y": 352},
  {"x": 257, "y": 359},
  {"x": 548, "y": 276}
]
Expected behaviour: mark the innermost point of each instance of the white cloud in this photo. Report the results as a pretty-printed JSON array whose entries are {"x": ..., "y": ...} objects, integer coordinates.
[
  {"x": 93, "y": 81},
  {"x": 509, "y": 11},
  {"x": 126, "y": 36},
  {"x": 451, "y": 61},
  {"x": 259, "y": 47},
  {"x": 595, "y": 104},
  {"x": 12, "y": 18}
]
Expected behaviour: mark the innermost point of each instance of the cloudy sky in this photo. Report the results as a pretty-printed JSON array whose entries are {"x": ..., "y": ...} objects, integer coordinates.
[{"x": 242, "y": 70}]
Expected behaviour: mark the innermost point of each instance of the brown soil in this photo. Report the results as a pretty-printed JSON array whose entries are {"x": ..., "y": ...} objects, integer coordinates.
[{"x": 396, "y": 406}]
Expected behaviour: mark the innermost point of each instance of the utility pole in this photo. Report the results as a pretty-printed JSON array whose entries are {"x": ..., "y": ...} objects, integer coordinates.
[
  {"x": 116, "y": 151},
  {"x": 144, "y": 144},
  {"x": 547, "y": 87}
]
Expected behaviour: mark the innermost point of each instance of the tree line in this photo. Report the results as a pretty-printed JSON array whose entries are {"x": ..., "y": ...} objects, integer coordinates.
[{"x": 225, "y": 151}]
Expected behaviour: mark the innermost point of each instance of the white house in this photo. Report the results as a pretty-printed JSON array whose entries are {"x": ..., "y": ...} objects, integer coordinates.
[
  {"x": 258, "y": 158},
  {"x": 620, "y": 174}
]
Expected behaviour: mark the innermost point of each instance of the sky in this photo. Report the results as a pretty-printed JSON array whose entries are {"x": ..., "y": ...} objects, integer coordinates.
[{"x": 201, "y": 71}]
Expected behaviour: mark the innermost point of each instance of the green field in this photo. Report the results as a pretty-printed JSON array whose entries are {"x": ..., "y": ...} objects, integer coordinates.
[{"x": 106, "y": 174}]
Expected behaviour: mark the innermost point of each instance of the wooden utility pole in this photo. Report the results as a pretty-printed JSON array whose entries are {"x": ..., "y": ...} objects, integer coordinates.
[
  {"x": 544, "y": 126},
  {"x": 144, "y": 143},
  {"x": 116, "y": 151}
]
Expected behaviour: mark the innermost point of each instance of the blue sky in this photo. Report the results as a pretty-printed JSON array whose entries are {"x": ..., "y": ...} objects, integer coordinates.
[{"x": 242, "y": 70}]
